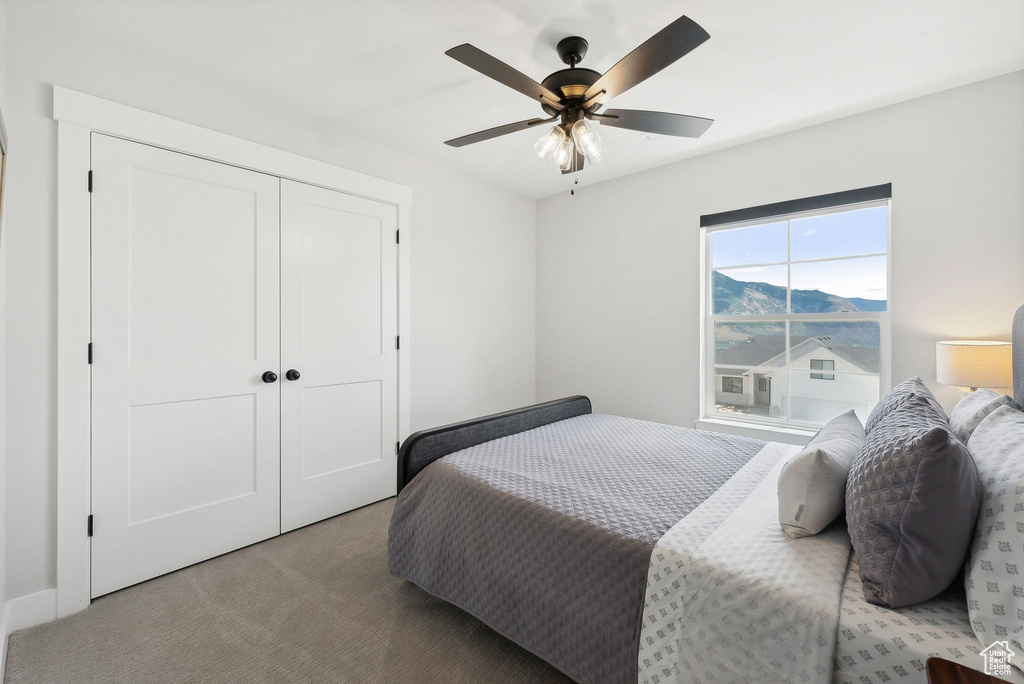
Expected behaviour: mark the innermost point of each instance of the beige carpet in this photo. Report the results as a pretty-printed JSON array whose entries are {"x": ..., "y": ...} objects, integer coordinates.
[{"x": 314, "y": 605}]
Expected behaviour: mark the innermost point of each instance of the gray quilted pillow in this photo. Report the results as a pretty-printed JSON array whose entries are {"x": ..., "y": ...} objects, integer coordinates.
[
  {"x": 995, "y": 584},
  {"x": 812, "y": 484},
  {"x": 897, "y": 396},
  {"x": 912, "y": 500},
  {"x": 973, "y": 408}
]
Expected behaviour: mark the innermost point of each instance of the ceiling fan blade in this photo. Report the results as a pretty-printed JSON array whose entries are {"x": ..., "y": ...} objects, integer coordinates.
[
  {"x": 661, "y": 123},
  {"x": 489, "y": 66},
  {"x": 480, "y": 136},
  {"x": 659, "y": 51},
  {"x": 580, "y": 161}
]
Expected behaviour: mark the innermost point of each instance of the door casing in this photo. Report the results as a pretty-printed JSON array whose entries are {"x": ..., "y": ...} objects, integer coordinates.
[{"x": 78, "y": 115}]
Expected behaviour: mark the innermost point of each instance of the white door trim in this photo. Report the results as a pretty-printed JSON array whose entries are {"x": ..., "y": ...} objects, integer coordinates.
[
  {"x": 120, "y": 120},
  {"x": 79, "y": 115}
]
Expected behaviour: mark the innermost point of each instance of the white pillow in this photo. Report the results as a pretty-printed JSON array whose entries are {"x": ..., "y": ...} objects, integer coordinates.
[
  {"x": 974, "y": 408},
  {"x": 995, "y": 568},
  {"x": 812, "y": 485}
]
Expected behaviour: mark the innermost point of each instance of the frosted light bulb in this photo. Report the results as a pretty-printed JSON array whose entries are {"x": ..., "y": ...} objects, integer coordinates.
[
  {"x": 587, "y": 140},
  {"x": 547, "y": 144}
]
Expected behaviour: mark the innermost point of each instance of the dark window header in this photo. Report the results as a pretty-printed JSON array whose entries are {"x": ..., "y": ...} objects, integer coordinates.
[{"x": 834, "y": 199}]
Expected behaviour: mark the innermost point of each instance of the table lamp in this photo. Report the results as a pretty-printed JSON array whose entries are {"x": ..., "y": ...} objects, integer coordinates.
[{"x": 971, "y": 364}]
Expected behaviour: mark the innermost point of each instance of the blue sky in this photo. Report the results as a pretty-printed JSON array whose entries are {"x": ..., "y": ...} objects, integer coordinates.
[{"x": 847, "y": 233}]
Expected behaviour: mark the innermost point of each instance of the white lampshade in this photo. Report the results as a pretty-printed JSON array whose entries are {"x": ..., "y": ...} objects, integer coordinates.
[{"x": 973, "y": 363}]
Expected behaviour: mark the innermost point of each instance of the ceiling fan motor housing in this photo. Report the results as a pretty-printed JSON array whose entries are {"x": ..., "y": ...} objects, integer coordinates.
[{"x": 571, "y": 83}]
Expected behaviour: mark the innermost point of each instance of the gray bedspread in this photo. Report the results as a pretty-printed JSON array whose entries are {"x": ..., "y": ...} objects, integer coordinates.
[{"x": 546, "y": 535}]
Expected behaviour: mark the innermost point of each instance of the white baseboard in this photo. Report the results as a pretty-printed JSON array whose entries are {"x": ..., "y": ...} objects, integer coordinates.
[
  {"x": 5, "y": 623},
  {"x": 34, "y": 609},
  {"x": 24, "y": 612}
]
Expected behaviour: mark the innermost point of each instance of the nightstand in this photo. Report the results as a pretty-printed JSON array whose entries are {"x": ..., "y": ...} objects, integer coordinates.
[{"x": 942, "y": 671}]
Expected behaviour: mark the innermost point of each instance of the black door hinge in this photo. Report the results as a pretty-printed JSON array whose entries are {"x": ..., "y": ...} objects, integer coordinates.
[
  {"x": 90, "y": 352},
  {"x": 398, "y": 341},
  {"x": 398, "y": 447},
  {"x": 397, "y": 238},
  {"x": 90, "y": 180},
  {"x": 89, "y": 525}
]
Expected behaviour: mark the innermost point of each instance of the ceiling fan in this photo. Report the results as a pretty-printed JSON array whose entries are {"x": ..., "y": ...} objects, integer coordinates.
[{"x": 574, "y": 96}]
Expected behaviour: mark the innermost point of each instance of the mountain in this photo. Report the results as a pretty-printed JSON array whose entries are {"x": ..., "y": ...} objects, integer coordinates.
[
  {"x": 733, "y": 296},
  {"x": 868, "y": 304}
]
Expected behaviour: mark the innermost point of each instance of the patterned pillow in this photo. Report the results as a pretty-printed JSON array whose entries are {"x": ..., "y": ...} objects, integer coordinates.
[
  {"x": 912, "y": 501},
  {"x": 812, "y": 484},
  {"x": 897, "y": 396},
  {"x": 973, "y": 408},
  {"x": 995, "y": 570}
]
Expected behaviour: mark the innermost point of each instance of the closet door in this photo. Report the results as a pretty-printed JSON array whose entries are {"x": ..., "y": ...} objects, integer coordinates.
[
  {"x": 186, "y": 321},
  {"x": 338, "y": 334}
]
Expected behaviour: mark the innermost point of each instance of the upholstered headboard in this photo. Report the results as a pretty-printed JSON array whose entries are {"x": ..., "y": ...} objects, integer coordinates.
[
  {"x": 422, "y": 448},
  {"x": 1017, "y": 338}
]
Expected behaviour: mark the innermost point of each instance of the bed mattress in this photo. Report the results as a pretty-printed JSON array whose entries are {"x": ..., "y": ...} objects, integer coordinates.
[{"x": 546, "y": 535}]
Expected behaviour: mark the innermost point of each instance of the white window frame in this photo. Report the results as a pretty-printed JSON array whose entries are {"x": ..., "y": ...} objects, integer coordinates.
[{"x": 708, "y": 319}]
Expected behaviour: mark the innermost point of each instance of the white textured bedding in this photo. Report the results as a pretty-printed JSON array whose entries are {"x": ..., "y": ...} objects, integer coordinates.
[
  {"x": 878, "y": 645},
  {"x": 731, "y": 598}
]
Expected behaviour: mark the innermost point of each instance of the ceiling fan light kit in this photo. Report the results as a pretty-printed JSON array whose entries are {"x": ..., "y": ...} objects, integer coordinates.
[
  {"x": 574, "y": 96},
  {"x": 564, "y": 156},
  {"x": 547, "y": 143},
  {"x": 588, "y": 141}
]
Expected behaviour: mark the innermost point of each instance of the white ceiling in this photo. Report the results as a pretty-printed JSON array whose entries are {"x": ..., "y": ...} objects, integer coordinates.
[{"x": 377, "y": 67}]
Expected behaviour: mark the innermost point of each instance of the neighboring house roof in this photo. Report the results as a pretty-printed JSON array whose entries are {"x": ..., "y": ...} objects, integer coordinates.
[
  {"x": 867, "y": 358},
  {"x": 755, "y": 351},
  {"x": 764, "y": 350}
]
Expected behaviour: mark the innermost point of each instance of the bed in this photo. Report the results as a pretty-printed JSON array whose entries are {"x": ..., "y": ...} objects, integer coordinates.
[{"x": 620, "y": 550}]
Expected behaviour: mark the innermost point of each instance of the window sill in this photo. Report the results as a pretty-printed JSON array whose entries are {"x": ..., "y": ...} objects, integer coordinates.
[{"x": 770, "y": 433}]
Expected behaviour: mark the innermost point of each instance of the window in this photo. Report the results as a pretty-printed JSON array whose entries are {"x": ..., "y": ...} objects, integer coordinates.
[
  {"x": 797, "y": 293},
  {"x": 732, "y": 385},
  {"x": 820, "y": 365}
]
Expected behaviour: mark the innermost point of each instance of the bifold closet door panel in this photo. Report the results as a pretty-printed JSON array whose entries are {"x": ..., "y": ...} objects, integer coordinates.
[
  {"x": 339, "y": 317},
  {"x": 186, "y": 320}
]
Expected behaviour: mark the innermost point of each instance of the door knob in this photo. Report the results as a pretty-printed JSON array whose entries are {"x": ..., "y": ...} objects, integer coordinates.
[
  {"x": 269, "y": 377},
  {"x": 293, "y": 375}
]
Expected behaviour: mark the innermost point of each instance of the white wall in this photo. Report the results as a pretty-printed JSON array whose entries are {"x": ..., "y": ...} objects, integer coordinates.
[
  {"x": 614, "y": 313},
  {"x": 618, "y": 265},
  {"x": 473, "y": 259},
  {"x": 4, "y": 614}
]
